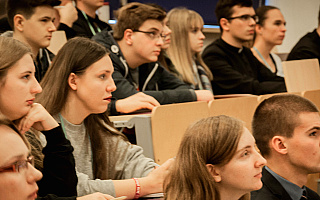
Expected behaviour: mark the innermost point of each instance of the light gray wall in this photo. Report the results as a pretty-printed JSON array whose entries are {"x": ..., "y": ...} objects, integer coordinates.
[{"x": 301, "y": 17}]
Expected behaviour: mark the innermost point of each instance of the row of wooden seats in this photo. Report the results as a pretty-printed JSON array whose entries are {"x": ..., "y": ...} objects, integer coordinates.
[
  {"x": 169, "y": 122},
  {"x": 302, "y": 77}
]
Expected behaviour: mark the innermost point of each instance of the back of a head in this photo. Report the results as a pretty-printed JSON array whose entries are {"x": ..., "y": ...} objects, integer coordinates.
[
  {"x": 133, "y": 15},
  {"x": 74, "y": 57},
  {"x": 212, "y": 140},
  {"x": 25, "y": 8},
  {"x": 224, "y": 8},
  {"x": 278, "y": 115},
  {"x": 11, "y": 51}
]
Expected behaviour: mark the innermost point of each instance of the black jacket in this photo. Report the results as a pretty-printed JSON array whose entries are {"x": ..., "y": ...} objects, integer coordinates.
[
  {"x": 237, "y": 71},
  {"x": 308, "y": 47},
  {"x": 273, "y": 190},
  {"x": 59, "y": 175},
  {"x": 154, "y": 80},
  {"x": 82, "y": 28}
]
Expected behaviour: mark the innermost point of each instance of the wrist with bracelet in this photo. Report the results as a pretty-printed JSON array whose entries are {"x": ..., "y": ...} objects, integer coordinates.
[{"x": 138, "y": 188}]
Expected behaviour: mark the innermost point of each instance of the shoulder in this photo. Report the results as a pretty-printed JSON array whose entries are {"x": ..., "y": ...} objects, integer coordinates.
[
  {"x": 215, "y": 48},
  {"x": 263, "y": 194},
  {"x": 307, "y": 39},
  {"x": 104, "y": 37}
]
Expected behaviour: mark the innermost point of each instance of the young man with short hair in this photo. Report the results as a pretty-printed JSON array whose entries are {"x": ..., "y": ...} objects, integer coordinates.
[
  {"x": 287, "y": 132},
  {"x": 308, "y": 46},
  {"x": 32, "y": 24},
  {"x": 135, "y": 45},
  {"x": 234, "y": 67}
]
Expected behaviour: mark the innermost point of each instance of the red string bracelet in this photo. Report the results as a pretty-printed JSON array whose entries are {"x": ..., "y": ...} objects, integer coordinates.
[{"x": 138, "y": 188}]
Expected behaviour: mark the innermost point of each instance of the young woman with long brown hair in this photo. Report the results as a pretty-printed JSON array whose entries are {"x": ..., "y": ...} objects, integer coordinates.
[
  {"x": 76, "y": 91},
  {"x": 217, "y": 160}
]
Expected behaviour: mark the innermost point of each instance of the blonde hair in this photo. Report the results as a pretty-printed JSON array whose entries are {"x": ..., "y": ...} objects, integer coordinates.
[
  {"x": 212, "y": 140},
  {"x": 181, "y": 21}
]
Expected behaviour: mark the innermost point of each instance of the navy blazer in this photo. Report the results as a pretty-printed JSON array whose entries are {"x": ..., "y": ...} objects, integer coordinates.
[{"x": 273, "y": 190}]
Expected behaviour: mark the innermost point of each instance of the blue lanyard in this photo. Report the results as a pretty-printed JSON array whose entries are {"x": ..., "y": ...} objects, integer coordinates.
[
  {"x": 264, "y": 60},
  {"x": 62, "y": 126},
  {"x": 90, "y": 26}
]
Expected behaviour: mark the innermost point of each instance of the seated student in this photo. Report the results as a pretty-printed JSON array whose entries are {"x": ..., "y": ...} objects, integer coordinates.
[
  {"x": 217, "y": 160},
  {"x": 88, "y": 23},
  {"x": 15, "y": 159},
  {"x": 287, "y": 131},
  {"x": 186, "y": 26},
  {"x": 269, "y": 32},
  {"x": 135, "y": 45},
  {"x": 163, "y": 58},
  {"x": 236, "y": 70},
  {"x": 76, "y": 91},
  {"x": 32, "y": 24},
  {"x": 18, "y": 88},
  {"x": 308, "y": 46},
  {"x": 65, "y": 16}
]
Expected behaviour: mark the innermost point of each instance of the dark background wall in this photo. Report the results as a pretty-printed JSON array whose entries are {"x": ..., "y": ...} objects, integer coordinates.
[{"x": 204, "y": 7}]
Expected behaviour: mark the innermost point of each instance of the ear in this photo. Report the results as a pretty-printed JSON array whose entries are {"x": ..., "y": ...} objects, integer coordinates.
[
  {"x": 127, "y": 36},
  {"x": 18, "y": 22},
  {"x": 215, "y": 172},
  {"x": 258, "y": 29},
  {"x": 224, "y": 23},
  {"x": 279, "y": 145},
  {"x": 72, "y": 81}
]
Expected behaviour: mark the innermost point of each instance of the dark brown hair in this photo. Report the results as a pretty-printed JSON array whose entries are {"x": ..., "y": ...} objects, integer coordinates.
[
  {"x": 26, "y": 8},
  {"x": 224, "y": 8},
  {"x": 262, "y": 11},
  {"x": 75, "y": 57},
  {"x": 278, "y": 115}
]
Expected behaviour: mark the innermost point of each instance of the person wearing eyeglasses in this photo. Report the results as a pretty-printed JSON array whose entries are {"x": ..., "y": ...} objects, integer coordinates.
[
  {"x": 186, "y": 45},
  {"x": 135, "y": 45},
  {"x": 18, "y": 87},
  {"x": 236, "y": 70}
]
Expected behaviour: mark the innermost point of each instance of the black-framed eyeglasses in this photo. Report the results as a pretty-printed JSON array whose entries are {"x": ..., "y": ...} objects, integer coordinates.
[
  {"x": 19, "y": 166},
  {"x": 152, "y": 34},
  {"x": 245, "y": 18}
]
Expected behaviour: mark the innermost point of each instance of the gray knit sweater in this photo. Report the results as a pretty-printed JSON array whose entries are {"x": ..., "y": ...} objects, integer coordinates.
[{"x": 133, "y": 165}]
